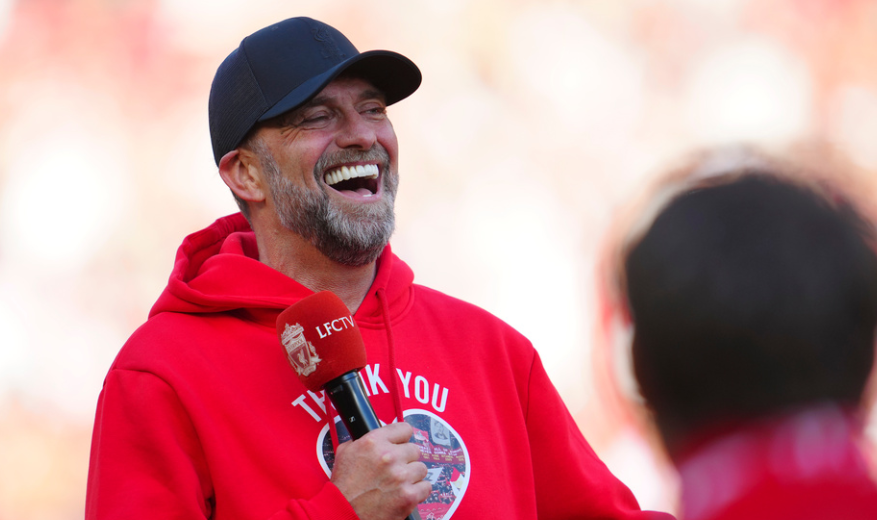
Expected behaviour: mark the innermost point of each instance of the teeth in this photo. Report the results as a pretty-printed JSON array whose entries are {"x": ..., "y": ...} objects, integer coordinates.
[{"x": 344, "y": 173}]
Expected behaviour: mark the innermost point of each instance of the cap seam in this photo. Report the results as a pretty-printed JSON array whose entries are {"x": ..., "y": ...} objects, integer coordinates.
[{"x": 258, "y": 86}]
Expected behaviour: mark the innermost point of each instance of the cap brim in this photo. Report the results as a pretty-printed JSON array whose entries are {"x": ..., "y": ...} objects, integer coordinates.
[{"x": 395, "y": 75}]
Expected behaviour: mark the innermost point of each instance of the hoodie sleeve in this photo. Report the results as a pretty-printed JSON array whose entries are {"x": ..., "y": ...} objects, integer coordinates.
[
  {"x": 147, "y": 462},
  {"x": 571, "y": 481}
]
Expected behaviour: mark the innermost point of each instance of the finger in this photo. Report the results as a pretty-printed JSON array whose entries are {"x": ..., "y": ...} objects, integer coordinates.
[
  {"x": 409, "y": 452},
  {"x": 417, "y": 470},
  {"x": 398, "y": 433},
  {"x": 415, "y": 493},
  {"x": 421, "y": 490}
]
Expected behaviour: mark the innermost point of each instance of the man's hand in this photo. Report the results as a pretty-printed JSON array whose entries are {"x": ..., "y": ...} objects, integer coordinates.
[{"x": 380, "y": 474}]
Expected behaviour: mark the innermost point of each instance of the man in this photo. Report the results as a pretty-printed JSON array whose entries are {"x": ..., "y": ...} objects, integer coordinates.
[
  {"x": 754, "y": 305},
  {"x": 201, "y": 416}
]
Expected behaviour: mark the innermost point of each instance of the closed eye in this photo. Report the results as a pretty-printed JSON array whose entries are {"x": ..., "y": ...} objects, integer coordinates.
[{"x": 315, "y": 120}]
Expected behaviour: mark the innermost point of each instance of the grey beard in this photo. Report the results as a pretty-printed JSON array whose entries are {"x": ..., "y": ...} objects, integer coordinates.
[{"x": 353, "y": 236}]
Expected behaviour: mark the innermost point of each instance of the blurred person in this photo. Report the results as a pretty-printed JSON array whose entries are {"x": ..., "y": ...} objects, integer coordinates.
[
  {"x": 753, "y": 299},
  {"x": 200, "y": 415}
]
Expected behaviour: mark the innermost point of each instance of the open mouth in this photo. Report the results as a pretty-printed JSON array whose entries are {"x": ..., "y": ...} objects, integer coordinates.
[{"x": 361, "y": 179}]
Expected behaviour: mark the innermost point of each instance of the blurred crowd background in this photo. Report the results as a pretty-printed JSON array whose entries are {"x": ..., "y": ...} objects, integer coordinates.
[{"x": 538, "y": 122}]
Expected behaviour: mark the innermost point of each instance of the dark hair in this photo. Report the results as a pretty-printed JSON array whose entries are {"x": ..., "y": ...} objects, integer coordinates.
[{"x": 749, "y": 296}]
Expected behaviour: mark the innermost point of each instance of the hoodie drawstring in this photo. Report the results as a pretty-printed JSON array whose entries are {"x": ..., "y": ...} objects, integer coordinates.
[
  {"x": 333, "y": 424},
  {"x": 391, "y": 351},
  {"x": 394, "y": 385}
]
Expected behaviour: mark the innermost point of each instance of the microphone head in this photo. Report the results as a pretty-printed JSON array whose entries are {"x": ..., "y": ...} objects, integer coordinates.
[{"x": 321, "y": 339}]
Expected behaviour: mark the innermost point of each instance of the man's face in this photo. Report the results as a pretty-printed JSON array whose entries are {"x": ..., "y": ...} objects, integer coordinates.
[{"x": 331, "y": 167}]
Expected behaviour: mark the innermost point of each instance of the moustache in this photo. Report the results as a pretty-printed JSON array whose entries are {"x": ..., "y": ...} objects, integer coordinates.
[{"x": 376, "y": 153}]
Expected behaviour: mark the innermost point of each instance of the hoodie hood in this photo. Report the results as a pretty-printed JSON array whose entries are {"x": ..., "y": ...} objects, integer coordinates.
[{"x": 217, "y": 269}]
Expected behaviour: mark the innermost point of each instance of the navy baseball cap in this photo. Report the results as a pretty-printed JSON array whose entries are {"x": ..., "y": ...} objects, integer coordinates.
[{"x": 284, "y": 65}]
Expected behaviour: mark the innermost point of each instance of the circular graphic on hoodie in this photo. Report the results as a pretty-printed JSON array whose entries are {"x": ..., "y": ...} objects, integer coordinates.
[{"x": 441, "y": 449}]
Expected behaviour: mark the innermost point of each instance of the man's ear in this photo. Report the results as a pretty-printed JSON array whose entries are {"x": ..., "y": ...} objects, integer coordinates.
[{"x": 241, "y": 171}]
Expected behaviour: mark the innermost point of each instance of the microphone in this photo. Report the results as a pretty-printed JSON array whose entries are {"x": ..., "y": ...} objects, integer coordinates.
[{"x": 325, "y": 347}]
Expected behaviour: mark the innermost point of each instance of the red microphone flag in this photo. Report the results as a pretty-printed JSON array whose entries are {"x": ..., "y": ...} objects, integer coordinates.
[{"x": 321, "y": 339}]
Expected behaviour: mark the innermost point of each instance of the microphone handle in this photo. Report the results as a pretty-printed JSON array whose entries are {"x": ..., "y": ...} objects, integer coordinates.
[{"x": 347, "y": 393}]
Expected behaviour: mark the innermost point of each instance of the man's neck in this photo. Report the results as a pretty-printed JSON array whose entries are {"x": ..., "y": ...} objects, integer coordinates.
[{"x": 297, "y": 258}]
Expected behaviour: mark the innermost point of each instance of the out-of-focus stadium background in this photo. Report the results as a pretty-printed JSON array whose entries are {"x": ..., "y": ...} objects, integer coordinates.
[{"x": 537, "y": 121}]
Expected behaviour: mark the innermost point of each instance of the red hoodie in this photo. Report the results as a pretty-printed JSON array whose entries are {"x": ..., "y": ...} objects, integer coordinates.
[
  {"x": 201, "y": 415},
  {"x": 807, "y": 465}
]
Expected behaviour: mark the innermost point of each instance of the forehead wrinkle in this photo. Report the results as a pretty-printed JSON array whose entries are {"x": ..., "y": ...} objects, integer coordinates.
[
  {"x": 372, "y": 93},
  {"x": 286, "y": 118},
  {"x": 323, "y": 99}
]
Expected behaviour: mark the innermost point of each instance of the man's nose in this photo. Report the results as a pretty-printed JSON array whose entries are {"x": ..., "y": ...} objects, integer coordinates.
[{"x": 356, "y": 132}]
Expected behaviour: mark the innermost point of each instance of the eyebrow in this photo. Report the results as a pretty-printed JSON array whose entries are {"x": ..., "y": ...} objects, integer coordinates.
[
  {"x": 371, "y": 93},
  {"x": 285, "y": 119}
]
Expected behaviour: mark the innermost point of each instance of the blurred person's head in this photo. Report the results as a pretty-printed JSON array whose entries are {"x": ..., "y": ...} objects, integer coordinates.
[{"x": 751, "y": 295}]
